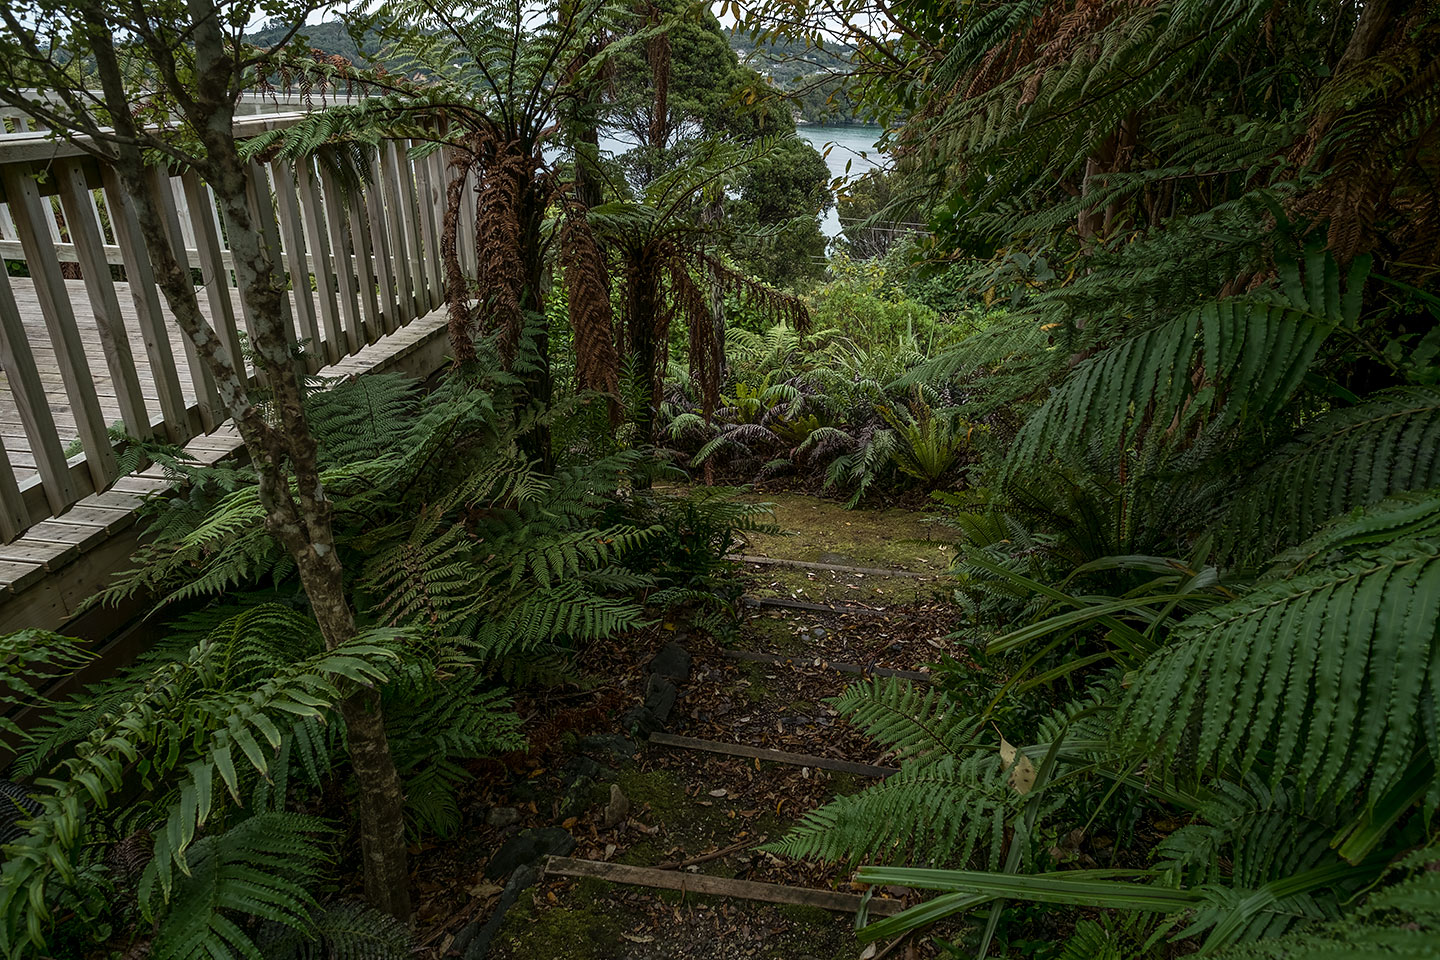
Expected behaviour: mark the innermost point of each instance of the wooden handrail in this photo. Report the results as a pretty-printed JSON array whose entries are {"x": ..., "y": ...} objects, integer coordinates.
[{"x": 85, "y": 340}]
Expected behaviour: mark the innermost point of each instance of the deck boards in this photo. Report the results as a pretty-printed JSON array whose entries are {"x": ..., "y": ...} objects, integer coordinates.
[
  {"x": 12, "y": 433},
  {"x": 46, "y": 574}
]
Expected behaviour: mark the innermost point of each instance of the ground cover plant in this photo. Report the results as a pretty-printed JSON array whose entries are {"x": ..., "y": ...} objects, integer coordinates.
[{"x": 1159, "y": 374}]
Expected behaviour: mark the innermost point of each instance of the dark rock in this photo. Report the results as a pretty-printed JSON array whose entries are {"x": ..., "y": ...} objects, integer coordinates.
[
  {"x": 660, "y": 697},
  {"x": 672, "y": 662},
  {"x": 618, "y": 808},
  {"x": 640, "y": 722},
  {"x": 477, "y": 939},
  {"x": 502, "y": 817},
  {"x": 616, "y": 746},
  {"x": 528, "y": 847},
  {"x": 581, "y": 768}
]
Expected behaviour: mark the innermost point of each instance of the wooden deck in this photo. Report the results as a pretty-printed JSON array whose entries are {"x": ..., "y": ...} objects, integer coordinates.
[
  {"x": 46, "y": 575},
  {"x": 87, "y": 342},
  {"x": 12, "y": 429}
]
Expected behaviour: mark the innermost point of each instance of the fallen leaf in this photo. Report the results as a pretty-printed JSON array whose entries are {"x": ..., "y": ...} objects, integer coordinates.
[
  {"x": 1022, "y": 771},
  {"x": 720, "y": 792},
  {"x": 637, "y": 938},
  {"x": 483, "y": 890}
]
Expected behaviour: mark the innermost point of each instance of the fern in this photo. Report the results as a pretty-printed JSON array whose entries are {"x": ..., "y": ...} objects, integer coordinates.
[
  {"x": 258, "y": 868},
  {"x": 913, "y": 721},
  {"x": 344, "y": 930},
  {"x": 1325, "y": 673},
  {"x": 1217, "y": 365},
  {"x": 1400, "y": 919},
  {"x": 1350, "y": 458},
  {"x": 362, "y": 418},
  {"x": 950, "y": 800},
  {"x": 1406, "y": 516}
]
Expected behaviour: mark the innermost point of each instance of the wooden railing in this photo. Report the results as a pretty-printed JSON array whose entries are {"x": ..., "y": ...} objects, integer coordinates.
[{"x": 86, "y": 341}]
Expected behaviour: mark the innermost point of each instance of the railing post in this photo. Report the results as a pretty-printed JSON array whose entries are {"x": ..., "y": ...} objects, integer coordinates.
[
  {"x": 30, "y": 400},
  {"x": 79, "y": 205},
  {"x": 30, "y": 210}
]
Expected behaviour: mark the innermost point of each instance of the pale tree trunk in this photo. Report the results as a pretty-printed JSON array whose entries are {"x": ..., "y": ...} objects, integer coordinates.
[{"x": 301, "y": 519}]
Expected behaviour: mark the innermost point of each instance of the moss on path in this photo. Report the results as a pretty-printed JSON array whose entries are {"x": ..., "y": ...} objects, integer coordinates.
[{"x": 822, "y": 531}]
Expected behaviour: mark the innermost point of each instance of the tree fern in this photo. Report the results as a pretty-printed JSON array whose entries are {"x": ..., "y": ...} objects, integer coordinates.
[{"x": 1325, "y": 673}]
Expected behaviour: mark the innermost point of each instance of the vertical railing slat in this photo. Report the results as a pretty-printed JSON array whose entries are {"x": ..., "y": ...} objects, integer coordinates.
[
  {"x": 465, "y": 243},
  {"x": 432, "y": 206},
  {"x": 30, "y": 211},
  {"x": 292, "y": 236},
  {"x": 333, "y": 340},
  {"x": 14, "y": 517},
  {"x": 364, "y": 267},
  {"x": 380, "y": 243},
  {"x": 140, "y": 277},
  {"x": 28, "y": 392},
  {"x": 182, "y": 208},
  {"x": 213, "y": 272},
  {"x": 207, "y": 396},
  {"x": 344, "y": 259},
  {"x": 401, "y": 202},
  {"x": 262, "y": 209},
  {"x": 79, "y": 205}
]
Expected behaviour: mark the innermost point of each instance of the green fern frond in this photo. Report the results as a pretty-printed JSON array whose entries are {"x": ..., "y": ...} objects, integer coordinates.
[
  {"x": 1399, "y": 920},
  {"x": 1406, "y": 516},
  {"x": 915, "y": 721},
  {"x": 932, "y": 813},
  {"x": 260, "y": 868},
  {"x": 1350, "y": 458},
  {"x": 1325, "y": 673},
  {"x": 1252, "y": 356}
]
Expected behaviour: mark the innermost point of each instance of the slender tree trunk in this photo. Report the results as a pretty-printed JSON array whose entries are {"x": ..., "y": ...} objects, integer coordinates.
[
  {"x": 646, "y": 342},
  {"x": 540, "y": 381},
  {"x": 299, "y": 519}
]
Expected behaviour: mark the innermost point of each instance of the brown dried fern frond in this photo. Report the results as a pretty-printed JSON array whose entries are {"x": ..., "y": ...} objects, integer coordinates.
[
  {"x": 587, "y": 285},
  {"x": 504, "y": 175},
  {"x": 457, "y": 287}
]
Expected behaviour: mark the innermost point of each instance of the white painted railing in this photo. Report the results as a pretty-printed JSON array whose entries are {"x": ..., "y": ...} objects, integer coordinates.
[{"x": 86, "y": 342}]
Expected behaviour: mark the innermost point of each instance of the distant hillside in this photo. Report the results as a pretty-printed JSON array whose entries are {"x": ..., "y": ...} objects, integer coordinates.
[
  {"x": 790, "y": 66},
  {"x": 331, "y": 37}
]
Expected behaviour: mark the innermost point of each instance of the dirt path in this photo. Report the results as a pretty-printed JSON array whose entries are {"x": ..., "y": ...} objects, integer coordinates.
[{"x": 705, "y": 812}]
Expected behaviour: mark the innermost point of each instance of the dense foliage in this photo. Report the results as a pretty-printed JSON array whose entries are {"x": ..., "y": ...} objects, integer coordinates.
[
  {"x": 1164, "y": 353},
  {"x": 1199, "y": 561},
  {"x": 471, "y": 571}
]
